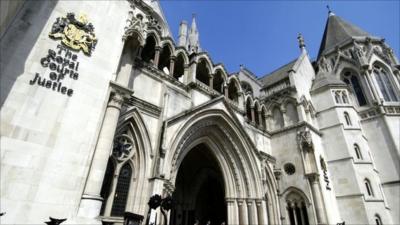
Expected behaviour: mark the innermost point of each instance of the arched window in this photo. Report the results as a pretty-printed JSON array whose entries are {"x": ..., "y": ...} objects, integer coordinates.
[
  {"x": 248, "y": 109},
  {"x": 347, "y": 118},
  {"x": 149, "y": 49},
  {"x": 352, "y": 80},
  {"x": 121, "y": 191},
  {"x": 378, "y": 220},
  {"x": 358, "y": 151},
  {"x": 291, "y": 113},
  {"x": 344, "y": 97},
  {"x": 202, "y": 72},
  {"x": 296, "y": 209},
  {"x": 386, "y": 87},
  {"x": 115, "y": 189},
  {"x": 218, "y": 82},
  {"x": 179, "y": 67},
  {"x": 278, "y": 118},
  {"x": 337, "y": 97},
  {"x": 165, "y": 59},
  {"x": 233, "y": 91},
  {"x": 368, "y": 188}
]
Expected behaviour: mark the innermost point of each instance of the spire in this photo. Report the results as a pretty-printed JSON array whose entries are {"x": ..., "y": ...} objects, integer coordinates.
[
  {"x": 193, "y": 41},
  {"x": 336, "y": 31}
]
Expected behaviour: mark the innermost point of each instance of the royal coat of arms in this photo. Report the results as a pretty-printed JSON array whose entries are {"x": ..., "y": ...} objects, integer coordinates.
[{"x": 76, "y": 34}]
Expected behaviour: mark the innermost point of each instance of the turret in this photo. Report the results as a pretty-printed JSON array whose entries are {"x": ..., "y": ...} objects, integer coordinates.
[{"x": 183, "y": 33}]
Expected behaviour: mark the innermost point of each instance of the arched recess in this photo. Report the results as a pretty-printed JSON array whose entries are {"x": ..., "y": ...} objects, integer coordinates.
[
  {"x": 179, "y": 66},
  {"x": 351, "y": 78},
  {"x": 277, "y": 117},
  {"x": 228, "y": 143},
  {"x": 291, "y": 112},
  {"x": 165, "y": 58},
  {"x": 385, "y": 80},
  {"x": 203, "y": 71},
  {"x": 248, "y": 108},
  {"x": 218, "y": 81},
  {"x": 298, "y": 207},
  {"x": 149, "y": 49},
  {"x": 233, "y": 89},
  {"x": 132, "y": 130}
]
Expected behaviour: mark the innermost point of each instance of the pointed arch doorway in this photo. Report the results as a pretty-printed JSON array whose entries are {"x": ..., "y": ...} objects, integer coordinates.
[{"x": 199, "y": 189}]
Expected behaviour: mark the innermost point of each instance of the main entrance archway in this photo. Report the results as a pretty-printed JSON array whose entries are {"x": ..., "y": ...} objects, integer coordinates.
[{"x": 199, "y": 193}]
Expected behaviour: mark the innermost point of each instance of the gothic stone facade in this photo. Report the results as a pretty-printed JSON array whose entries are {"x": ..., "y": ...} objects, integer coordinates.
[{"x": 108, "y": 110}]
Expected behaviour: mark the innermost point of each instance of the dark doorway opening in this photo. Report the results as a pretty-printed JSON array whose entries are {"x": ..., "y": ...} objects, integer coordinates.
[{"x": 199, "y": 193}]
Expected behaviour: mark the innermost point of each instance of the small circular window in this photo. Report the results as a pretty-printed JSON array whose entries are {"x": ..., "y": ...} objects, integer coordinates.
[{"x": 289, "y": 168}]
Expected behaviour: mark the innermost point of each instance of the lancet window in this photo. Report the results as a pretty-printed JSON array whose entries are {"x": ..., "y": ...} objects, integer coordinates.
[
  {"x": 378, "y": 220},
  {"x": 278, "y": 118},
  {"x": 179, "y": 67},
  {"x": 352, "y": 80},
  {"x": 347, "y": 118},
  {"x": 357, "y": 151},
  {"x": 385, "y": 85},
  {"x": 218, "y": 82},
  {"x": 149, "y": 49},
  {"x": 368, "y": 187},
  {"x": 297, "y": 210},
  {"x": 202, "y": 72},
  {"x": 118, "y": 176}
]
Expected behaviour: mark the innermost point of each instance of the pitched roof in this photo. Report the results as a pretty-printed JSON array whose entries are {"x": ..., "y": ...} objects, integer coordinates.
[
  {"x": 278, "y": 74},
  {"x": 336, "y": 31}
]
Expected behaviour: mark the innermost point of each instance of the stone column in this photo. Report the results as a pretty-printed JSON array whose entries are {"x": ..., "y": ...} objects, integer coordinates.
[
  {"x": 261, "y": 212},
  {"x": 285, "y": 118},
  {"x": 317, "y": 197},
  {"x": 260, "y": 119},
  {"x": 253, "y": 115},
  {"x": 91, "y": 201},
  {"x": 232, "y": 212},
  {"x": 290, "y": 211},
  {"x": 157, "y": 56},
  {"x": 171, "y": 65},
  {"x": 107, "y": 210},
  {"x": 296, "y": 217},
  {"x": 252, "y": 212},
  {"x": 211, "y": 81},
  {"x": 243, "y": 216},
  {"x": 226, "y": 91}
]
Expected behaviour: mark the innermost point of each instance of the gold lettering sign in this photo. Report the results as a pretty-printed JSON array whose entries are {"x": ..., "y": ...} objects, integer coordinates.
[{"x": 76, "y": 34}]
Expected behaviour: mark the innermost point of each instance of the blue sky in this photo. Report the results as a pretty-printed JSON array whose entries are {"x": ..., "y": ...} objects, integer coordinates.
[{"x": 262, "y": 35}]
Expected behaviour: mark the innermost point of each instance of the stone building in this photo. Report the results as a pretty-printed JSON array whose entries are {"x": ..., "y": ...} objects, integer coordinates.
[{"x": 103, "y": 110}]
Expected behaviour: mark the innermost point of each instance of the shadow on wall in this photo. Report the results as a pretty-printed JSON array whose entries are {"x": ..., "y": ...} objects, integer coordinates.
[{"x": 18, "y": 41}]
